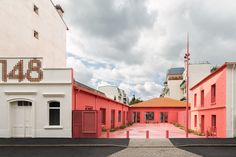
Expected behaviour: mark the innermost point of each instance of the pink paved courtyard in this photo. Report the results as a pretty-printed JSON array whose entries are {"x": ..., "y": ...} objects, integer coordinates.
[{"x": 155, "y": 131}]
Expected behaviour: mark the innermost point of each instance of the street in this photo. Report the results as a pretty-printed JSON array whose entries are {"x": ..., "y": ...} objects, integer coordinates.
[{"x": 117, "y": 147}]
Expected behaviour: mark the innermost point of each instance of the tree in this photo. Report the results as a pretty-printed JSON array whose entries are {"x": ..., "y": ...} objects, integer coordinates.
[{"x": 135, "y": 100}]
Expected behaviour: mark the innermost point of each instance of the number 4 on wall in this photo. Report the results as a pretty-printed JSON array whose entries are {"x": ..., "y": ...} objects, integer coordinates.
[{"x": 18, "y": 68}]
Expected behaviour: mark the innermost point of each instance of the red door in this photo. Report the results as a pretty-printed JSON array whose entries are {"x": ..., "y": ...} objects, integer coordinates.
[
  {"x": 202, "y": 123},
  {"x": 112, "y": 119}
]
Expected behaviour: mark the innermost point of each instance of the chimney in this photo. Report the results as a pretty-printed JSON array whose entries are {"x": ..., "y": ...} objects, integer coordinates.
[{"x": 59, "y": 10}]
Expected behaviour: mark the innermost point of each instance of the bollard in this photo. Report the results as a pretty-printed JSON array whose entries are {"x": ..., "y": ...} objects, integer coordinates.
[
  {"x": 108, "y": 134},
  {"x": 147, "y": 134},
  {"x": 127, "y": 134},
  {"x": 167, "y": 133},
  {"x": 206, "y": 134}
]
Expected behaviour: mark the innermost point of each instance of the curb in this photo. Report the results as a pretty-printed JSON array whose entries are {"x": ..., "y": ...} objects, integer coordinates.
[{"x": 114, "y": 145}]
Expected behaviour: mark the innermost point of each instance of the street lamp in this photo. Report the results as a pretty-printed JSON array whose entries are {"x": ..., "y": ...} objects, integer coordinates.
[{"x": 186, "y": 60}]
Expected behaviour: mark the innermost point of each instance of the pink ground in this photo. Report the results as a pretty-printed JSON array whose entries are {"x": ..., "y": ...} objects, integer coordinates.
[{"x": 155, "y": 131}]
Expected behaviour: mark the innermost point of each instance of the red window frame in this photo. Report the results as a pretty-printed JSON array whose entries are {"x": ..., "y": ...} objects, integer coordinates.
[
  {"x": 103, "y": 115},
  {"x": 202, "y": 98},
  {"x": 213, "y": 93},
  {"x": 119, "y": 116},
  {"x": 195, "y": 100},
  {"x": 195, "y": 120},
  {"x": 213, "y": 121}
]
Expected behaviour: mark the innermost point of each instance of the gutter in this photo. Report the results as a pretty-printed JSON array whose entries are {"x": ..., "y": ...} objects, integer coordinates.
[{"x": 232, "y": 101}]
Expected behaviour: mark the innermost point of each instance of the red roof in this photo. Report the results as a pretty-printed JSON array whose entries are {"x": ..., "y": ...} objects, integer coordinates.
[{"x": 161, "y": 102}]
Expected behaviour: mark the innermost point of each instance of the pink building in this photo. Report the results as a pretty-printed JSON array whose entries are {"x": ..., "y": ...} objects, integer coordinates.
[
  {"x": 95, "y": 111},
  {"x": 158, "y": 110},
  {"x": 213, "y": 108}
]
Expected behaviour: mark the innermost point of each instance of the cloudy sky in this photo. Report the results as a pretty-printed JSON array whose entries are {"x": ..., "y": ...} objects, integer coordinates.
[{"x": 132, "y": 43}]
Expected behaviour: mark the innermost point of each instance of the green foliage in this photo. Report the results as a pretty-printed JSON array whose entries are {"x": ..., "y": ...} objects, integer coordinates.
[
  {"x": 135, "y": 100},
  {"x": 214, "y": 68},
  {"x": 122, "y": 126},
  {"x": 104, "y": 129}
]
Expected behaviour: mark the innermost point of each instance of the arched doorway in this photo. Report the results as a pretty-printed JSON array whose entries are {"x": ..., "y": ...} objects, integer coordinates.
[{"x": 21, "y": 118}]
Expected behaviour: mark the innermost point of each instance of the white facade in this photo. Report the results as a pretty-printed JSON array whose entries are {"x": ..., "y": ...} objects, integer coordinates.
[
  {"x": 175, "y": 91},
  {"x": 19, "y": 23},
  {"x": 197, "y": 72},
  {"x": 231, "y": 100},
  {"x": 114, "y": 93},
  {"x": 39, "y": 88}
]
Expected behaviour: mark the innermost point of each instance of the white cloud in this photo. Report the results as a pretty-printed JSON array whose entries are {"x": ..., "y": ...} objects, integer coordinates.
[{"x": 131, "y": 44}]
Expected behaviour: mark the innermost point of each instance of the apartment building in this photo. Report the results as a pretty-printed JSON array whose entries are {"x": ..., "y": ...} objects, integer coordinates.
[
  {"x": 175, "y": 84},
  {"x": 172, "y": 89},
  {"x": 115, "y": 93}
]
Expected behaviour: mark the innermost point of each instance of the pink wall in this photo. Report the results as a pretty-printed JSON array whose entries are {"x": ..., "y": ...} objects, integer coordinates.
[
  {"x": 218, "y": 108},
  {"x": 84, "y": 98},
  {"x": 182, "y": 118},
  {"x": 172, "y": 113}
]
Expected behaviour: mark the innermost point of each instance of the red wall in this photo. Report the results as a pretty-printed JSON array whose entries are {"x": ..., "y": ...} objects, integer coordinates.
[
  {"x": 218, "y": 108},
  {"x": 83, "y": 98},
  {"x": 172, "y": 113}
]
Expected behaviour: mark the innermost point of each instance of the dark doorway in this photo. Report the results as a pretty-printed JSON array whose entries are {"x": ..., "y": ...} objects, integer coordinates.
[
  {"x": 202, "y": 123},
  {"x": 138, "y": 117},
  {"x": 112, "y": 119},
  {"x": 164, "y": 117}
]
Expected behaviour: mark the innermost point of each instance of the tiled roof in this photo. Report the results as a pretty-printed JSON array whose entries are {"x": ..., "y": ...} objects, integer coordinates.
[
  {"x": 175, "y": 71},
  {"x": 161, "y": 102}
]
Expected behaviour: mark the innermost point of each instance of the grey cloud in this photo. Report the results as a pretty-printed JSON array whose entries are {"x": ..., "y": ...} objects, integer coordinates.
[{"x": 111, "y": 31}]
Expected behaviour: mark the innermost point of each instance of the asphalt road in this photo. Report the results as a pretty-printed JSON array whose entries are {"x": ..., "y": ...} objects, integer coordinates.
[
  {"x": 116, "y": 152},
  {"x": 117, "y": 148}
]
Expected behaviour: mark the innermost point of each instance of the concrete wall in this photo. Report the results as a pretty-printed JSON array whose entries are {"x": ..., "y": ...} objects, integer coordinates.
[
  {"x": 175, "y": 91},
  {"x": 18, "y": 22},
  {"x": 218, "y": 108}
]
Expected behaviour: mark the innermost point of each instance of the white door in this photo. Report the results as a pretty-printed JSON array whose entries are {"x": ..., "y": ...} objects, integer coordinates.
[{"x": 21, "y": 119}]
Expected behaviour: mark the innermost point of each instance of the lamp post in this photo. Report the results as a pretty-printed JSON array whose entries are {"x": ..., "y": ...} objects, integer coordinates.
[{"x": 186, "y": 60}]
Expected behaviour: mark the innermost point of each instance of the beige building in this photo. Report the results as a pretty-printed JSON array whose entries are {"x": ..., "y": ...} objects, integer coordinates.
[{"x": 33, "y": 28}]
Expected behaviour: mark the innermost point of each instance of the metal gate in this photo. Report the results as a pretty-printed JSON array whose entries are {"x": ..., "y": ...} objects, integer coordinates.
[{"x": 86, "y": 124}]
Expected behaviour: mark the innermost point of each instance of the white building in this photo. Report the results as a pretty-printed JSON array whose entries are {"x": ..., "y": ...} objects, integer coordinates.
[
  {"x": 175, "y": 84},
  {"x": 115, "y": 93},
  {"x": 172, "y": 84},
  {"x": 35, "y": 85},
  {"x": 33, "y": 28},
  {"x": 197, "y": 72}
]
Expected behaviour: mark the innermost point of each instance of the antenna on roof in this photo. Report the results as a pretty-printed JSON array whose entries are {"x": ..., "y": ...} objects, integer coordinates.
[{"x": 188, "y": 43}]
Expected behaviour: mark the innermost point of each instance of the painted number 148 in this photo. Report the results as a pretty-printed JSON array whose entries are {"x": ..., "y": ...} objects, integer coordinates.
[{"x": 17, "y": 72}]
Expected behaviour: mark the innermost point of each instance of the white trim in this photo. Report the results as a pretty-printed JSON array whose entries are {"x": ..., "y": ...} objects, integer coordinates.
[
  {"x": 53, "y": 94},
  {"x": 53, "y": 127},
  {"x": 20, "y": 92}
]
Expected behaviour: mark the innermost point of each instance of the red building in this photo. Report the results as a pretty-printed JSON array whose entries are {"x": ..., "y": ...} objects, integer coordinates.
[
  {"x": 213, "y": 108},
  {"x": 92, "y": 111},
  {"x": 158, "y": 110}
]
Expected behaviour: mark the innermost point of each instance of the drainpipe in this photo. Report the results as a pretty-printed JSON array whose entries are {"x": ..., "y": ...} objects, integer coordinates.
[{"x": 232, "y": 97}]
